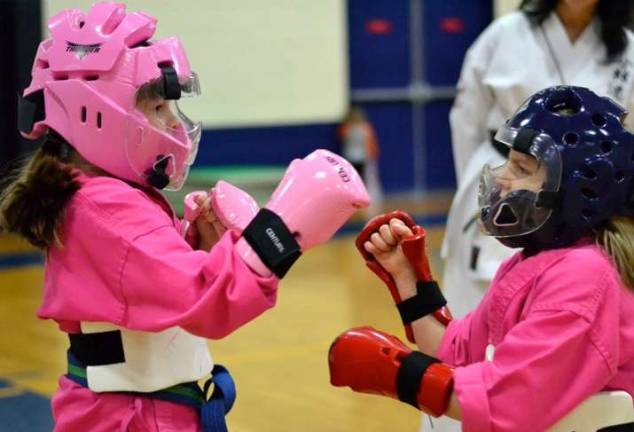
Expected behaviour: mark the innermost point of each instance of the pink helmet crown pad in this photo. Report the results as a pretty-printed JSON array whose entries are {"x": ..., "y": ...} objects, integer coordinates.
[{"x": 84, "y": 83}]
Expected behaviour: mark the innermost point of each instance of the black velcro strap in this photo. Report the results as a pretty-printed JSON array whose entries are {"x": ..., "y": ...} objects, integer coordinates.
[
  {"x": 524, "y": 139},
  {"x": 171, "y": 86},
  {"x": 97, "y": 349},
  {"x": 624, "y": 427},
  {"x": 30, "y": 110},
  {"x": 272, "y": 241},
  {"x": 428, "y": 299},
  {"x": 499, "y": 146},
  {"x": 410, "y": 375},
  {"x": 548, "y": 199}
]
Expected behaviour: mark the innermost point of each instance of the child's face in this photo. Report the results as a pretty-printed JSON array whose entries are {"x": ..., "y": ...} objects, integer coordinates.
[
  {"x": 159, "y": 112},
  {"x": 521, "y": 172}
]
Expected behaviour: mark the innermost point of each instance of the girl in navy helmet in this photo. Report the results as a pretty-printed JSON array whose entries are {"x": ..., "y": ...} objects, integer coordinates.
[{"x": 556, "y": 327}]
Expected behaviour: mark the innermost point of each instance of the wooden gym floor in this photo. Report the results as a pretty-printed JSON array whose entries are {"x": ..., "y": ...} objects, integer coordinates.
[{"x": 279, "y": 361}]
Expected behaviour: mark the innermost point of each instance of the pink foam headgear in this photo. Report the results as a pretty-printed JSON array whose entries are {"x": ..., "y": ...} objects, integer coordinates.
[{"x": 84, "y": 84}]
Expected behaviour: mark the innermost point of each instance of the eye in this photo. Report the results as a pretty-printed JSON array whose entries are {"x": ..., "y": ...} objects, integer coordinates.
[
  {"x": 523, "y": 170},
  {"x": 517, "y": 170},
  {"x": 159, "y": 107}
]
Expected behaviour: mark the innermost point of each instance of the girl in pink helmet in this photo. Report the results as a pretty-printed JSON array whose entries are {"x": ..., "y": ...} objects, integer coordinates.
[{"x": 135, "y": 297}]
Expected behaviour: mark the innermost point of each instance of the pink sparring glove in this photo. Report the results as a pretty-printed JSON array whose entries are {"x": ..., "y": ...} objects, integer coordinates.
[
  {"x": 233, "y": 207},
  {"x": 414, "y": 250},
  {"x": 316, "y": 196},
  {"x": 371, "y": 361},
  {"x": 191, "y": 211}
]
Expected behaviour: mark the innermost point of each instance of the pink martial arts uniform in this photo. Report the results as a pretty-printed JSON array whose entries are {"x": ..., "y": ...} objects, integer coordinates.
[
  {"x": 559, "y": 327},
  {"x": 124, "y": 262}
]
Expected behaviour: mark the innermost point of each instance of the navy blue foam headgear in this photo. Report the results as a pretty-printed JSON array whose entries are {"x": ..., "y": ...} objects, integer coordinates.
[{"x": 597, "y": 157}]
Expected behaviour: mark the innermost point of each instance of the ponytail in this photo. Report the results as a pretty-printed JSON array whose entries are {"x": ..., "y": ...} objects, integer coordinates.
[
  {"x": 617, "y": 238},
  {"x": 34, "y": 198}
]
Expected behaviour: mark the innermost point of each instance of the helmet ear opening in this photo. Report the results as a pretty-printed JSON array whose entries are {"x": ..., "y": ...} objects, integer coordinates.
[{"x": 157, "y": 175}]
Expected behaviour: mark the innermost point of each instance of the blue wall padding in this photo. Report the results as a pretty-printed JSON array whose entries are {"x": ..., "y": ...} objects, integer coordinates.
[
  {"x": 439, "y": 170},
  {"x": 379, "y": 59},
  {"x": 264, "y": 145},
  {"x": 450, "y": 27},
  {"x": 393, "y": 123}
]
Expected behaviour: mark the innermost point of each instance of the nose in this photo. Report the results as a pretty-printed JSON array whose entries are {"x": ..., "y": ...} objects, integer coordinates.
[
  {"x": 171, "y": 120},
  {"x": 504, "y": 185}
]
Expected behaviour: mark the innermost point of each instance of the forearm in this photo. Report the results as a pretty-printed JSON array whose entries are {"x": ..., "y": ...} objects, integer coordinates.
[{"x": 454, "y": 410}]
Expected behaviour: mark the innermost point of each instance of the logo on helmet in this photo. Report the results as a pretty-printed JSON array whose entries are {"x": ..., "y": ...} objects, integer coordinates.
[{"x": 82, "y": 51}]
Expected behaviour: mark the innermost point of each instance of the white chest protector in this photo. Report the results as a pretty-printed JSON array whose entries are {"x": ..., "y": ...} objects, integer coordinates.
[{"x": 153, "y": 361}]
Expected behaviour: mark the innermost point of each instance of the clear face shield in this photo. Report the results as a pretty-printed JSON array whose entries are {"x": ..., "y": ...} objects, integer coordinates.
[
  {"x": 513, "y": 198},
  {"x": 171, "y": 141}
]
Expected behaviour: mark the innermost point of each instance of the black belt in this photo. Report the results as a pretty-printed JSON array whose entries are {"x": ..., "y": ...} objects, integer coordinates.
[{"x": 625, "y": 427}]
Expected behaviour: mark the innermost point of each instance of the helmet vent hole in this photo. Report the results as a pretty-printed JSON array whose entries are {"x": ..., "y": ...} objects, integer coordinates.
[
  {"x": 619, "y": 176},
  {"x": 571, "y": 138},
  {"x": 564, "y": 109},
  {"x": 144, "y": 43},
  {"x": 60, "y": 77},
  {"x": 598, "y": 120},
  {"x": 81, "y": 23},
  {"x": 606, "y": 147},
  {"x": 385, "y": 351},
  {"x": 587, "y": 213},
  {"x": 42, "y": 64},
  {"x": 588, "y": 193},
  {"x": 167, "y": 63},
  {"x": 91, "y": 77},
  {"x": 83, "y": 114},
  {"x": 588, "y": 173},
  {"x": 98, "y": 120}
]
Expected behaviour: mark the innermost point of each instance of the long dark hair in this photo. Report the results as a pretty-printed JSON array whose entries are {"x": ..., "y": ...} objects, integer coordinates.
[
  {"x": 614, "y": 15},
  {"x": 34, "y": 198}
]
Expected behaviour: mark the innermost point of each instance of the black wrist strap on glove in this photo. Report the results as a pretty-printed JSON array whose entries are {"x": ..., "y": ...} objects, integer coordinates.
[
  {"x": 410, "y": 374},
  {"x": 272, "y": 241},
  {"x": 428, "y": 299}
]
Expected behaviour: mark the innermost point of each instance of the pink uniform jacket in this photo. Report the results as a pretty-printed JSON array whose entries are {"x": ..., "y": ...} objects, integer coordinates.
[
  {"x": 124, "y": 262},
  {"x": 562, "y": 324}
]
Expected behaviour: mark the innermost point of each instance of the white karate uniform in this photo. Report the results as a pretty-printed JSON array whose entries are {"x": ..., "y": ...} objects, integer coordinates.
[{"x": 510, "y": 61}]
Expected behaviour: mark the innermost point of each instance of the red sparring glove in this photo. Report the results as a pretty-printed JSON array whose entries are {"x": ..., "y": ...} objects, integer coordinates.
[
  {"x": 370, "y": 361},
  {"x": 414, "y": 250}
]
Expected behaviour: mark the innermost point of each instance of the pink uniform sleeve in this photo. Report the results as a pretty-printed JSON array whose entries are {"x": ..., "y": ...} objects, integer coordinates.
[
  {"x": 166, "y": 284},
  {"x": 454, "y": 348},
  {"x": 465, "y": 339}
]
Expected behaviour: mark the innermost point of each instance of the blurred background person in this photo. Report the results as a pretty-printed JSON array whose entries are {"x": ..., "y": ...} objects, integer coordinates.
[{"x": 359, "y": 145}]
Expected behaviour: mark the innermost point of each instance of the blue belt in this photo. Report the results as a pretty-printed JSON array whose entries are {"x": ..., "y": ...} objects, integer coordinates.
[{"x": 212, "y": 410}]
